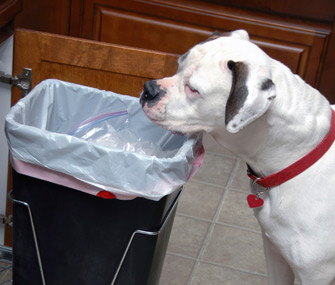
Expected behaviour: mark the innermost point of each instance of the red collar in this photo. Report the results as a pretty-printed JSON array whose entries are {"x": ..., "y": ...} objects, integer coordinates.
[{"x": 299, "y": 166}]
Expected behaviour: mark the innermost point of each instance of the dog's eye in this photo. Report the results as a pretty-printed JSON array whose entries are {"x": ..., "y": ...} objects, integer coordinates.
[{"x": 190, "y": 90}]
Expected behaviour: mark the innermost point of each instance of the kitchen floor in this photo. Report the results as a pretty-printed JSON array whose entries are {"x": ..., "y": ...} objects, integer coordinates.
[{"x": 215, "y": 238}]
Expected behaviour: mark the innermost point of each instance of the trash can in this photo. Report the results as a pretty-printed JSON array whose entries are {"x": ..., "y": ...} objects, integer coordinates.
[{"x": 87, "y": 212}]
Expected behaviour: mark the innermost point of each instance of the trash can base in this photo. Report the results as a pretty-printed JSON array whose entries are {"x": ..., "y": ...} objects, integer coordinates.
[{"x": 82, "y": 238}]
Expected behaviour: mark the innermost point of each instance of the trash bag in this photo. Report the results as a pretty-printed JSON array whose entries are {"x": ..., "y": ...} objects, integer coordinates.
[{"x": 98, "y": 142}]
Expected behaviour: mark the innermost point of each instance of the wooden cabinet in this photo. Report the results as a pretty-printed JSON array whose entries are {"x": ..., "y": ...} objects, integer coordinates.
[
  {"x": 299, "y": 34},
  {"x": 105, "y": 66},
  {"x": 8, "y": 10},
  {"x": 295, "y": 36}
]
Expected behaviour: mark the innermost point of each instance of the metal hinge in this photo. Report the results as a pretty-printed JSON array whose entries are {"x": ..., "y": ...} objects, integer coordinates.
[
  {"x": 22, "y": 81},
  {"x": 6, "y": 220}
]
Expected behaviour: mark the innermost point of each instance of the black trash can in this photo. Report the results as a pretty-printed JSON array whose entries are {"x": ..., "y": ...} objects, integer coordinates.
[{"x": 82, "y": 238}]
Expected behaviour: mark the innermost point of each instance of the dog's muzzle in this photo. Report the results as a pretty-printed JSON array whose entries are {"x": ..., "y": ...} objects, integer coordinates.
[{"x": 151, "y": 93}]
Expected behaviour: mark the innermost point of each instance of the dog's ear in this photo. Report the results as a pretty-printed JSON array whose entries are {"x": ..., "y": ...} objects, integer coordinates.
[
  {"x": 215, "y": 35},
  {"x": 239, "y": 34},
  {"x": 250, "y": 96}
]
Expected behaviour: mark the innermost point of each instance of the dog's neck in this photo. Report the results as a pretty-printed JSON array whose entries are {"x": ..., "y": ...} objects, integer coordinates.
[{"x": 293, "y": 125}]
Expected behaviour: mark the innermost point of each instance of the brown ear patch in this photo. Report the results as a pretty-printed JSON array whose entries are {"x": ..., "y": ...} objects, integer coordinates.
[
  {"x": 239, "y": 91},
  {"x": 266, "y": 84},
  {"x": 215, "y": 35}
]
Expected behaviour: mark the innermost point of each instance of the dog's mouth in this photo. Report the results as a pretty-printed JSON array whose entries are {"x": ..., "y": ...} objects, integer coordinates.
[
  {"x": 159, "y": 119},
  {"x": 161, "y": 124},
  {"x": 164, "y": 125}
]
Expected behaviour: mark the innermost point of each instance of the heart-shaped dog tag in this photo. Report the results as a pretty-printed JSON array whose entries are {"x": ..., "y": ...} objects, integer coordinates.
[{"x": 254, "y": 201}]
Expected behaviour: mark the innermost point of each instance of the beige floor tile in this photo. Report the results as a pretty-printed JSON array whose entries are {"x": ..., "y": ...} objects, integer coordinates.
[
  {"x": 176, "y": 270},
  {"x": 235, "y": 211},
  {"x": 5, "y": 275},
  {"x": 215, "y": 170},
  {"x": 187, "y": 236},
  {"x": 208, "y": 274},
  {"x": 200, "y": 200},
  {"x": 212, "y": 146},
  {"x": 240, "y": 180},
  {"x": 236, "y": 248}
]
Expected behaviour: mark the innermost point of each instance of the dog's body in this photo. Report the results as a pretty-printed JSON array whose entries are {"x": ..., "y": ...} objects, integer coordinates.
[{"x": 269, "y": 117}]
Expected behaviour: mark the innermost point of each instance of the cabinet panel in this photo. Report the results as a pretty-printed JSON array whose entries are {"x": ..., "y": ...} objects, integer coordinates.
[
  {"x": 8, "y": 10},
  {"x": 293, "y": 31},
  {"x": 101, "y": 79},
  {"x": 90, "y": 63},
  {"x": 173, "y": 28},
  {"x": 321, "y": 10},
  {"x": 117, "y": 26},
  {"x": 133, "y": 29},
  {"x": 295, "y": 56},
  {"x": 47, "y": 16}
]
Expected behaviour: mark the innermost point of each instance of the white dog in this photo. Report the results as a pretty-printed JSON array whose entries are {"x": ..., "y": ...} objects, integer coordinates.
[{"x": 255, "y": 107}]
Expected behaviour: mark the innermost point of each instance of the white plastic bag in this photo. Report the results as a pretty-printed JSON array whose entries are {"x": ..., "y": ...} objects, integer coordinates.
[
  {"x": 112, "y": 130},
  {"x": 49, "y": 137}
]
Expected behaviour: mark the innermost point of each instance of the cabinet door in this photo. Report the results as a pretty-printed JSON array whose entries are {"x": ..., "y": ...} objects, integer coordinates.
[
  {"x": 175, "y": 26},
  {"x": 105, "y": 66}
]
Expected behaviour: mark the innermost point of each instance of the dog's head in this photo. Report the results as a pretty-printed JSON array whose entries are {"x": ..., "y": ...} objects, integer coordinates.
[{"x": 224, "y": 80}]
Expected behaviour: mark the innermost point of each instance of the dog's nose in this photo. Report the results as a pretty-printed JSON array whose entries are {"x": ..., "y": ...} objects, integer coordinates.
[{"x": 151, "y": 91}]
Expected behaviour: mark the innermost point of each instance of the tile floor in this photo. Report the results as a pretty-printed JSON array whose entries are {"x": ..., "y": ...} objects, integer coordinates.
[
  {"x": 5, "y": 274},
  {"x": 215, "y": 238}
]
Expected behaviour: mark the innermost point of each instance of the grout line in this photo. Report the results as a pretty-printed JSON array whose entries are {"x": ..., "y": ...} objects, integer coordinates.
[
  {"x": 201, "y": 252},
  {"x": 180, "y": 255},
  {"x": 217, "y": 223},
  {"x": 193, "y": 217},
  {"x": 207, "y": 183},
  {"x": 213, "y": 222},
  {"x": 234, "y": 268},
  {"x": 217, "y": 264},
  {"x": 239, "y": 228},
  {"x": 240, "y": 191},
  {"x": 233, "y": 173}
]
